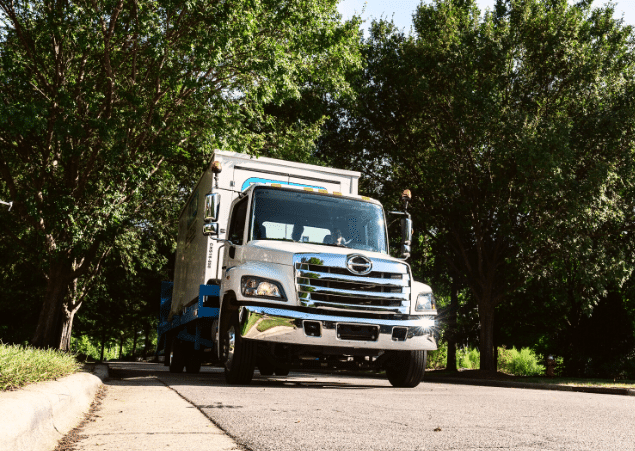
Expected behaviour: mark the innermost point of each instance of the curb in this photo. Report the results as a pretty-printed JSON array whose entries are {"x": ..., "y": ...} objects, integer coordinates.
[
  {"x": 532, "y": 386},
  {"x": 39, "y": 415}
]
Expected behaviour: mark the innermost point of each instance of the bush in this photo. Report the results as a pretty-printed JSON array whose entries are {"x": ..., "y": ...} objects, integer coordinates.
[
  {"x": 468, "y": 358},
  {"x": 519, "y": 363},
  {"x": 438, "y": 359}
]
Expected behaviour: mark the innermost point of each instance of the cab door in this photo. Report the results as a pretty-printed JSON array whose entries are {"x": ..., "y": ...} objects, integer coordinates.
[{"x": 237, "y": 233}]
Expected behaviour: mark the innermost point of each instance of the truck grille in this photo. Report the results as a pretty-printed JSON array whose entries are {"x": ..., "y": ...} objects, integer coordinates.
[{"x": 324, "y": 281}]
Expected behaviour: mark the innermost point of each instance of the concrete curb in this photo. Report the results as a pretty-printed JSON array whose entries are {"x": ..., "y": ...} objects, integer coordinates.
[
  {"x": 37, "y": 416},
  {"x": 528, "y": 385}
]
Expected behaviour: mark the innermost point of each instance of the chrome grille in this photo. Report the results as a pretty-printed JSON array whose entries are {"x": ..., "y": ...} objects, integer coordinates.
[{"x": 324, "y": 281}]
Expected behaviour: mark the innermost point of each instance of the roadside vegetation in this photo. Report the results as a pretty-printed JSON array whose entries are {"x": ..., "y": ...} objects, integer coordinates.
[
  {"x": 22, "y": 365},
  {"x": 523, "y": 362},
  {"x": 514, "y": 129}
]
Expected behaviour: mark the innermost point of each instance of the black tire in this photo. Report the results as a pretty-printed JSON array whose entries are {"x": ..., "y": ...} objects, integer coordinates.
[
  {"x": 166, "y": 353},
  {"x": 240, "y": 354},
  {"x": 405, "y": 369},
  {"x": 265, "y": 367},
  {"x": 193, "y": 360},
  {"x": 282, "y": 371},
  {"x": 176, "y": 356}
]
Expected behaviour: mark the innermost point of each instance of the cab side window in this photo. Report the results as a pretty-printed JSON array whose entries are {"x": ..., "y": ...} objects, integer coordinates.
[{"x": 237, "y": 226}]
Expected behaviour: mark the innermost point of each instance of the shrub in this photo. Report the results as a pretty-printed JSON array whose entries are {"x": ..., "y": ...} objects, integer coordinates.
[
  {"x": 519, "y": 363},
  {"x": 468, "y": 358},
  {"x": 438, "y": 359}
]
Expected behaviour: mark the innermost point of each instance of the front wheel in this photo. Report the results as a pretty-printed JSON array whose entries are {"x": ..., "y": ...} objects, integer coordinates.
[
  {"x": 405, "y": 369},
  {"x": 240, "y": 354}
]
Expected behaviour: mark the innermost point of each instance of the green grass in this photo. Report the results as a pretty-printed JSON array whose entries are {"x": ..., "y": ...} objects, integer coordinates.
[
  {"x": 575, "y": 382},
  {"x": 20, "y": 365}
]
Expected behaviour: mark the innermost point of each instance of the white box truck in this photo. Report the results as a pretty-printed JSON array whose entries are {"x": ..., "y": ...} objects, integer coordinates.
[{"x": 282, "y": 265}]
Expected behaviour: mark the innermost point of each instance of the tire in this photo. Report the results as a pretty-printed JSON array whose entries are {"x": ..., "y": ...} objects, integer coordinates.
[
  {"x": 240, "y": 354},
  {"x": 167, "y": 350},
  {"x": 193, "y": 360},
  {"x": 176, "y": 356},
  {"x": 282, "y": 371},
  {"x": 405, "y": 369},
  {"x": 265, "y": 367}
]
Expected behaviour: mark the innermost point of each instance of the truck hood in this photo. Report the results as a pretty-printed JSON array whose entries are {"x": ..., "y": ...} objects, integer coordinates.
[{"x": 282, "y": 252}]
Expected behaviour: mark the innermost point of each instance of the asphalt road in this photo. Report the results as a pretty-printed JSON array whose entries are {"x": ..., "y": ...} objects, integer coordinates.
[{"x": 345, "y": 412}]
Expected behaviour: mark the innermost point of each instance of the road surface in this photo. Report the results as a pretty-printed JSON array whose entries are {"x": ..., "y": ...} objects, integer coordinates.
[{"x": 308, "y": 412}]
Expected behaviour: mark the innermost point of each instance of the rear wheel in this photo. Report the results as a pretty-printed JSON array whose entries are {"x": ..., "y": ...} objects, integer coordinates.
[
  {"x": 265, "y": 367},
  {"x": 193, "y": 360},
  {"x": 167, "y": 350},
  {"x": 240, "y": 354},
  {"x": 177, "y": 356},
  {"x": 405, "y": 369},
  {"x": 282, "y": 371}
]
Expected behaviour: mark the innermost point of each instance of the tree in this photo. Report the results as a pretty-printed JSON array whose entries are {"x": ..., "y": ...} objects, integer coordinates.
[
  {"x": 109, "y": 107},
  {"x": 514, "y": 131}
]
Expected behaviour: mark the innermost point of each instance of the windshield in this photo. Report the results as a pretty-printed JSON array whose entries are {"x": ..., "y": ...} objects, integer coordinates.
[{"x": 319, "y": 219}]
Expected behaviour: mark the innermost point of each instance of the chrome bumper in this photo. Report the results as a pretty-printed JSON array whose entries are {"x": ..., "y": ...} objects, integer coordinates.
[{"x": 293, "y": 327}]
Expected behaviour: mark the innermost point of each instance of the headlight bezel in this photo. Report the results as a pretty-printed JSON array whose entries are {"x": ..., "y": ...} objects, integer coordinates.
[
  {"x": 425, "y": 302},
  {"x": 252, "y": 291}
]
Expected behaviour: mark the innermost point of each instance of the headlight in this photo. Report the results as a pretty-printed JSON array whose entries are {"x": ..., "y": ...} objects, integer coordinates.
[
  {"x": 425, "y": 301},
  {"x": 262, "y": 288}
]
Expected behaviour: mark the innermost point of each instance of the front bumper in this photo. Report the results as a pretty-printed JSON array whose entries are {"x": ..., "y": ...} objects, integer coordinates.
[{"x": 301, "y": 328}]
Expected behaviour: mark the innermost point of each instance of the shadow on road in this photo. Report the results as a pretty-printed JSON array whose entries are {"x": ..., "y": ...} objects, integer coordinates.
[{"x": 214, "y": 376}]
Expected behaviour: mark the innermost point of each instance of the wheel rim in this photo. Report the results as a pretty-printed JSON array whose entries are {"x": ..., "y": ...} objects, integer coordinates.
[{"x": 231, "y": 346}]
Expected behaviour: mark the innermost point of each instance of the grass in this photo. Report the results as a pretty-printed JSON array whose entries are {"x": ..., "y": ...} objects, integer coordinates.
[
  {"x": 575, "y": 382},
  {"x": 564, "y": 381},
  {"x": 21, "y": 365}
]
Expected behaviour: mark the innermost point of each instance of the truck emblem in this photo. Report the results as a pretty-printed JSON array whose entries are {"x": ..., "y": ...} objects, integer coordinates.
[{"x": 359, "y": 265}]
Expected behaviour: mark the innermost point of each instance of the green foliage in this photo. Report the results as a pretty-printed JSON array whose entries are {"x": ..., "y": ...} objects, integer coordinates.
[
  {"x": 22, "y": 365},
  {"x": 519, "y": 363},
  {"x": 515, "y": 132},
  {"x": 110, "y": 110},
  {"x": 438, "y": 359},
  {"x": 89, "y": 349},
  {"x": 468, "y": 358}
]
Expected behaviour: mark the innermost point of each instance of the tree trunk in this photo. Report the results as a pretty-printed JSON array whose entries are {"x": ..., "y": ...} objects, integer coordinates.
[
  {"x": 146, "y": 343},
  {"x": 486, "y": 336},
  {"x": 120, "y": 346},
  {"x": 452, "y": 325},
  {"x": 103, "y": 343},
  {"x": 48, "y": 332},
  {"x": 66, "y": 327},
  {"x": 134, "y": 342}
]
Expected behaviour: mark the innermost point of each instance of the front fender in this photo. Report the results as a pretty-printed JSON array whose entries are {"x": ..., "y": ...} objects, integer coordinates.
[
  {"x": 282, "y": 274},
  {"x": 418, "y": 287}
]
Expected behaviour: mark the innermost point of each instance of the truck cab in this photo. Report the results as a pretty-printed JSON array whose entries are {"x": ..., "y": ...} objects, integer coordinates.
[{"x": 304, "y": 276}]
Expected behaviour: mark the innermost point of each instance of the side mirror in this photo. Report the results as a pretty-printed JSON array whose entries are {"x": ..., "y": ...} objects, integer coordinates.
[
  {"x": 406, "y": 237},
  {"x": 212, "y": 205},
  {"x": 406, "y": 231},
  {"x": 405, "y": 251},
  {"x": 211, "y": 228}
]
